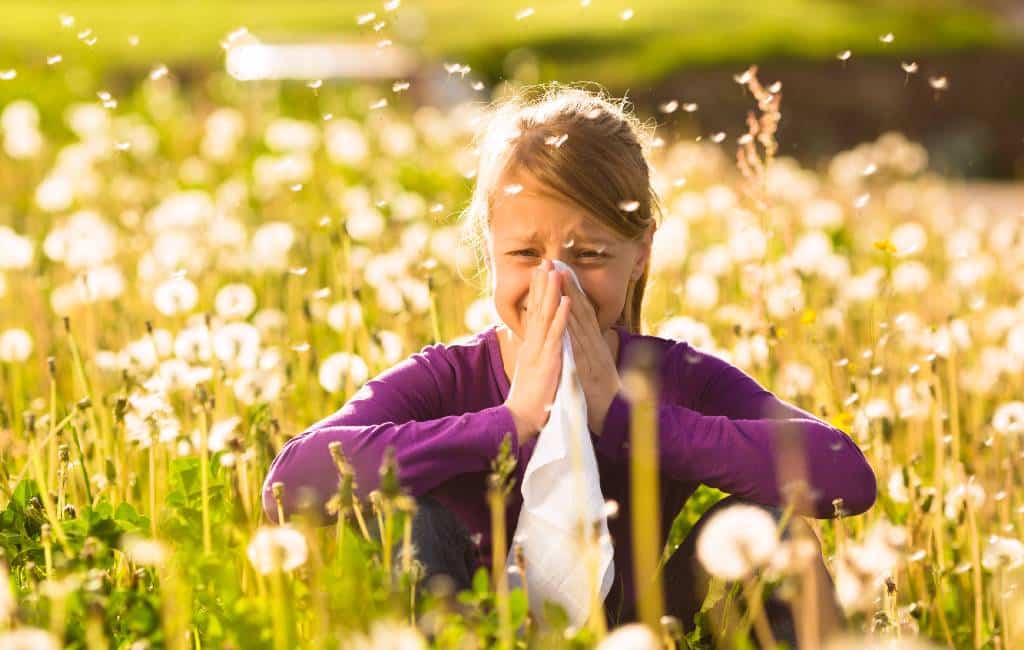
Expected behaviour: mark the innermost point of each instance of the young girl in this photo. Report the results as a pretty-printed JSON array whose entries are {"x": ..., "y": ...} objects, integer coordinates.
[{"x": 563, "y": 176}]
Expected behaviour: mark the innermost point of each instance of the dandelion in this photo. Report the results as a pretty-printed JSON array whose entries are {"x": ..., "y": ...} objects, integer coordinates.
[
  {"x": 399, "y": 86},
  {"x": 343, "y": 315},
  {"x": 629, "y": 206},
  {"x": 144, "y": 551},
  {"x": 718, "y": 138},
  {"x": 844, "y": 55},
  {"x": 336, "y": 367},
  {"x": 669, "y": 107},
  {"x": 8, "y": 75},
  {"x": 627, "y": 14},
  {"x": 523, "y": 14},
  {"x": 386, "y": 634},
  {"x": 391, "y": 5},
  {"x": 631, "y": 636},
  {"x": 887, "y": 37},
  {"x": 690, "y": 107},
  {"x": 366, "y": 18},
  {"x": 1009, "y": 418},
  {"x": 236, "y": 300},
  {"x": 28, "y": 638},
  {"x": 861, "y": 201},
  {"x": 956, "y": 497},
  {"x": 15, "y": 345},
  {"x": 18, "y": 251},
  {"x": 736, "y": 541},
  {"x": 277, "y": 548},
  {"x": 54, "y": 59},
  {"x": 175, "y": 296},
  {"x": 1002, "y": 552},
  {"x": 159, "y": 72},
  {"x": 237, "y": 344},
  {"x": 938, "y": 83}
]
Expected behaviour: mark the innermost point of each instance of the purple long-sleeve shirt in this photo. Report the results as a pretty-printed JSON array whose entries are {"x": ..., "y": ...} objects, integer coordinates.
[{"x": 443, "y": 411}]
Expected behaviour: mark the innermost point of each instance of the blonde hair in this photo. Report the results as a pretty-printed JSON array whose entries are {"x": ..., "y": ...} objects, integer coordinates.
[{"x": 581, "y": 145}]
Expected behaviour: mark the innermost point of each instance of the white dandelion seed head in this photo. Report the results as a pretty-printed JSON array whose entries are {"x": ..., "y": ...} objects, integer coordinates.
[
  {"x": 1008, "y": 418},
  {"x": 277, "y": 548},
  {"x": 144, "y": 551},
  {"x": 957, "y": 496},
  {"x": 237, "y": 345},
  {"x": 344, "y": 315},
  {"x": 15, "y": 345},
  {"x": 1002, "y": 553},
  {"x": 631, "y": 636},
  {"x": 335, "y": 368},
  {"x": 175, "y": 296},
  {"x": 235, "y": 301},
  {"x": 29, "y": 638},
  {"x": 736, "y": 541}
]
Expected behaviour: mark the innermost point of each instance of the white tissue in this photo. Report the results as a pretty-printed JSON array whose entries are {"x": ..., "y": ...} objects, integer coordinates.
[{"x": 556, "y": 498}]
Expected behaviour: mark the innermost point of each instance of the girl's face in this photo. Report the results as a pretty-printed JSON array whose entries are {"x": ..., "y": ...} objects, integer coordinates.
[{"x": 532, "y": 224}]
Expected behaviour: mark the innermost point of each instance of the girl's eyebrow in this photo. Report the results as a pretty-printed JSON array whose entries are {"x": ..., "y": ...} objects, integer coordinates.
[{"x": 575, "y": 238}]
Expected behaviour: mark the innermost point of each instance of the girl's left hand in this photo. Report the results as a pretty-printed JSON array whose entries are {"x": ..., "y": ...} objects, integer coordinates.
[{"x": 594, "y": 362}]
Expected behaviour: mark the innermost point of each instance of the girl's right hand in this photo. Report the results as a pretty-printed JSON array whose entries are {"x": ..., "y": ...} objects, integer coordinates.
[{"x": 539, "y": 359}]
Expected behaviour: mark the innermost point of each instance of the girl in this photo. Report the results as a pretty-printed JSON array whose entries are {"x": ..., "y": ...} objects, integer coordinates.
[{"x": 563, "y": 176}]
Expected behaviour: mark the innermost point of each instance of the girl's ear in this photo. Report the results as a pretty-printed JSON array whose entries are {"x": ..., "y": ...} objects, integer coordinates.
[{"x": 645, "y": 252}]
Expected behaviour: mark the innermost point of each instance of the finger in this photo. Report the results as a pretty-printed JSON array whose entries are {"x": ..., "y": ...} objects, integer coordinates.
[
  {"x": 536, "y": 292},
  {"x": 553, "y": 341},
  {"x": 551, "y": 295}
]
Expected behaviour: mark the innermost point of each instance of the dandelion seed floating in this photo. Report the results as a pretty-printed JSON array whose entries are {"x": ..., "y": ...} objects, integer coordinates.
[
  {"x": 133, "y": 40},
  {"x": 315, "y": 84},
  {"x": 718, "y": 138},
  {"x": 399, "y": 86},
  {"x": 327, "y": 117},
  {"x": 584, "y": 3},
  {"x": 743, "y": 77},
  {"x": 54, "y": 59},
  {"x": 861, "y": 201},
  {"x": 380, "y": 103},
  {"x": 366, "y": 18},
  {"x": 745, "y": 139},
  {"x": 569, "y": 243},
  {"x": 775, "y": 88},
  {"x": 626, "y": 15},
  {"x": 7, "y": 75},
  {"x": 869, "y": 169},
  {"x": 669, "y": 107},
  {"x": 391, "y": 5},
  {"x": 887, "y": 37},
  {"x": 593, "y": 114},
  {"x": 513, "y": 188},
  {"x": 477, "y": 85},
  {"x": 67, "y": 21},
  {"x": 523, "y": 14},
  {"x": 844, "y": 55},
  {"x": 159, "y": 72},
  {"x": 383, "y": 43},
  {"x": 629, "y": 206},
  {"x": 690, "y": 107}
]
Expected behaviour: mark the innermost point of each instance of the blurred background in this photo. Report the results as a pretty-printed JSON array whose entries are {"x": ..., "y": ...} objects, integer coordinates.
[{"x": 946, "y": 73}]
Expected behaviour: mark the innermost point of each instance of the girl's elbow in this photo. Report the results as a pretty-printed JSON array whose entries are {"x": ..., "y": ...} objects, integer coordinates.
[{"x": 863, "y": 491}]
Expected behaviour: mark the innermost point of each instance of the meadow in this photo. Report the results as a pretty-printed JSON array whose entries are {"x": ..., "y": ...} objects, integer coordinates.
[{"x": 190, "y": 274}]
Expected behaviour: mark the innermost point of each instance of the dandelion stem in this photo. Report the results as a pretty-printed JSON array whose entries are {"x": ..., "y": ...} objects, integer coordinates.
[{"x": 204, "y": 478}]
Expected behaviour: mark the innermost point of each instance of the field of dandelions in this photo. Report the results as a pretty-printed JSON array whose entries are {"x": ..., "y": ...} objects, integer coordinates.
[{"x": 190, "y": 275}]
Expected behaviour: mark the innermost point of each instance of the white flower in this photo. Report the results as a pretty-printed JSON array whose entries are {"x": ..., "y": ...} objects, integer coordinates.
[
  {"x": 235, "y": 300},
  {"x": 365, "y": 225},
  {"x": 220, "y": 434},
  {"x": 258, "y": 385},
  {"x": 28, "y": 638},
  {"x": 897, "y": 487},
  {"x": 737, "y": 540},
  {"x": 237, "y": 345},
  {"x": 175, "y": 296},
  {"x": 144, "y": 551},
  {"x": 909, "y": 238},
  {"x": 701, "y": 291},
  {"x": 631, "y": 636},
  {"x": 748, "y": 244},
  {"x": 956, "y": 497},
  {"x": 345, "y": 142},
  {"x": 15, "y": 345},
  {"x": 334, "y": 368},
  {"x": 18, "y": 251},
  {"x": 386, "y": 635},
  {"x": 286, "y": 134},
  {"x": 344, "y": 315},
  {"x": 270, "y": 245},
  {"x": 276, "y": 548},
  {"x": 19, "y": 114},
  {"x": 1009, "y": 418},
  {"x": 1002, "y": 552},
  {"x": 796, "y": 378},
  {"x": 480, "y": 314},
  {"x": 85, "y": 240},
  {"x": 911, "y": 277}
]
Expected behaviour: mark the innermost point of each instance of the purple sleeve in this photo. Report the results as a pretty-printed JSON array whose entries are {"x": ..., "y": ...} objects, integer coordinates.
[
  {"x": 730, "y": 442},
  {"x": 400, "y": 407}
]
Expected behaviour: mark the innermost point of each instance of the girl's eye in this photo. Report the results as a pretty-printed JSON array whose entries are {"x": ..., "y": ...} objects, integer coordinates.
[{"x": 590, "y": 254}]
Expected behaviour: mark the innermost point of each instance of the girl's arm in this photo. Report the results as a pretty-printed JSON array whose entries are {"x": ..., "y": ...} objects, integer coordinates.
[
  {"x": 730, "y": 442},
  {"x": 397, "y": 408}
]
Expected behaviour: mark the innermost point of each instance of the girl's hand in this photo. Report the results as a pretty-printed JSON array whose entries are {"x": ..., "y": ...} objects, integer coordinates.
[
  {"x": 539, "y": 360},
  {"x": 595, "y": 365}
]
